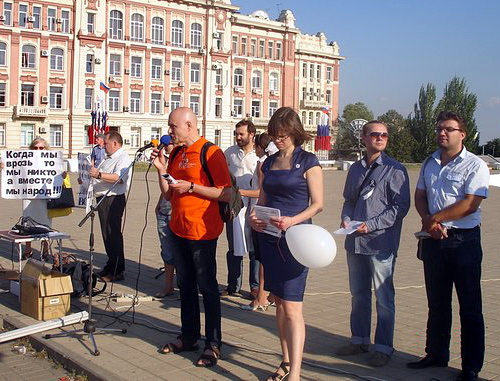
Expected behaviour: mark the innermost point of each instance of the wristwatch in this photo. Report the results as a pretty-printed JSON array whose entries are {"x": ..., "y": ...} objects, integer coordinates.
[{"x": 191, "y": 188}]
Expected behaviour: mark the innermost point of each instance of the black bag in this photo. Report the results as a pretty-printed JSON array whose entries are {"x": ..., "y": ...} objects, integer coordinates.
[
  {"x": 80, "y": 274},
  {"x": 65, "y": 201},
  {"x": 28, "y": 226}
]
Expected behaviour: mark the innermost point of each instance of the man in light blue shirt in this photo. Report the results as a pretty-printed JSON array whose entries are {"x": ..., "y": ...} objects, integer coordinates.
[
  {"x": 377, "y": 194},
  {"x": 451, "y": 186}
]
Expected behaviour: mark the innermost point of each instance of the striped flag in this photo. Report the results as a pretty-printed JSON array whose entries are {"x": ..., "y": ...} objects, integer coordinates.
[{"x": 103, "y": 87}]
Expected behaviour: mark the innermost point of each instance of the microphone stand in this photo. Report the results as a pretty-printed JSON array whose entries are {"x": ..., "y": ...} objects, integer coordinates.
[{"x": 90, "y": 325}]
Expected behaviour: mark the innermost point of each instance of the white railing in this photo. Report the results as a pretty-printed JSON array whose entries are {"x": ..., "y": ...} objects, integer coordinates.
[{"x": 31, "y": 111}]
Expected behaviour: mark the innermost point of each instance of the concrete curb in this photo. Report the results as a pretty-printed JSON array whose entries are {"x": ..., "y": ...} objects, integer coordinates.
[{"x": 70, "y": 360}]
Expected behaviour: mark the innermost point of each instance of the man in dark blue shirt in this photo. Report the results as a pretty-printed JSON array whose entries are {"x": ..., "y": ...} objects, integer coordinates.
[{"x": 98, "y": 152}]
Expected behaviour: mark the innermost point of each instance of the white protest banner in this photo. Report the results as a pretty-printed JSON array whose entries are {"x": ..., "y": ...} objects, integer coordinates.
[
  {"x": 32, "y": 174},
  {"x": 85, "y": 194}
]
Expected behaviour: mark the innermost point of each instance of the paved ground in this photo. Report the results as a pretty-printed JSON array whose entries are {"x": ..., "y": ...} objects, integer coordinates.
[{"x": 251, "y": 336}]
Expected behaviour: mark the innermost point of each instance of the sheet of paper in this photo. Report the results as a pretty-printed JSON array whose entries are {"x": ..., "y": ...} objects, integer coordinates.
[
  {"x": 351, "y": 228},
  {"x": 264, "y": 213}
]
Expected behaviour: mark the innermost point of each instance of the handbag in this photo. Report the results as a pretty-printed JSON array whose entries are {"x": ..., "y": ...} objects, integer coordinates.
[{"x": 66, "y": 200}]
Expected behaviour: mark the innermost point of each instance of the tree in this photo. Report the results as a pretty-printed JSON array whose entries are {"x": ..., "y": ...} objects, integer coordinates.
[
  {"x": 422, "y": 124},
  {"x": 357, "y": 110},
  {"x": 401, "y": 142},
  {"x": 346, "y": 143},
  {"x": 492, "y": 147},
  {"x": 458, "y": 99}
]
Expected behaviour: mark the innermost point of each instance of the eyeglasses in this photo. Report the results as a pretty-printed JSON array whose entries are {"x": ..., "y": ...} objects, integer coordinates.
[
  {"x": 280, "y": 138},
  {"x": 382, "y": 135},
  {"x": 448, "y": 130},
  {"x": 38, "y": 147}
]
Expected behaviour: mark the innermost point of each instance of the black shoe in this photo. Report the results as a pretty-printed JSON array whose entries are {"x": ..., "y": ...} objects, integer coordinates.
[
  {"x": 427, "y": 362},
  {"x": 102, "y": 273},
  {"x": 467, "y": 375},
  {"x": 111, "y": 278}
]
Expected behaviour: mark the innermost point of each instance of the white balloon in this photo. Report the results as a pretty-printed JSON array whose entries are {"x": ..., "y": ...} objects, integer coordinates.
[{"x": 311, "y": 245}]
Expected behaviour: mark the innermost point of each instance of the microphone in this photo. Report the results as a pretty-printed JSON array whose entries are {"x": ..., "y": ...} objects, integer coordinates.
[
  {"x": 153, "y": 143},
  {"x": 164, "y": 141}
]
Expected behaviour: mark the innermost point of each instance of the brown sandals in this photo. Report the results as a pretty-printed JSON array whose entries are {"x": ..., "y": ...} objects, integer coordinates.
[
  {"x": 208, "y": 360},
  {"x": 187, "y": 346}
]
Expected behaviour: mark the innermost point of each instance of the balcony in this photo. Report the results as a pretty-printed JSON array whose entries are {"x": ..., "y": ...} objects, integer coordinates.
[
  {"x": 30, "y": 111},
  {"x": 306, "y": 103}
]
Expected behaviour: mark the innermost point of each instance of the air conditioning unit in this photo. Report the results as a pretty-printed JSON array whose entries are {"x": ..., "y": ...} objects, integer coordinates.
[
  {"x": 274, "y": 93},
  {"x": 248, "y": 115},
  {"x": 44, "y": 99},
  {"x": 97, "y": 61},
  {"x": 238, "y": 89},
  {"x": 126, "y": 71},
  {"x": 2, "y": 18},
  {"x": 125, "y": 108},
  {"x": 181, "y": 84},
  {"x": 220, "y": 87},
  {"x": 42, "y": 130},
  {"x": 216, "y": 35},
  {"x": 30, "y": 18},
  {"x": 256, "y": 91},
  {"x": 215, "y": 66},
  {"x": 166, "y": 72},
  {"x": 111, "y": 78},
  {"x": 328, "y": 81},
  {"x": 201, "y": 51},
  {"x": 165, "y": 104},
  {"x": 44, "y": 53},
  {"x": 59, "y": 21},
  {"x": 126, "y": 141},
  {"x": 233, "y": 113}
]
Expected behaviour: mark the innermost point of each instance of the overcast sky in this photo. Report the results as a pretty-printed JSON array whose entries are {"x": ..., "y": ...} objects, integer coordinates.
[{"x": 393, "y": 47}]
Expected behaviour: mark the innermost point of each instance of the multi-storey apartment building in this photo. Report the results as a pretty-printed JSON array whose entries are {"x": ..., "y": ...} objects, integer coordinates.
[{"x": 154, "y": 56}]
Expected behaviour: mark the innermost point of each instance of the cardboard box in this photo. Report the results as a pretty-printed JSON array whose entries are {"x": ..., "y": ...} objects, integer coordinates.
[
  {"x": 9, "y": 274},
  {"x": 45, "y": 293}
]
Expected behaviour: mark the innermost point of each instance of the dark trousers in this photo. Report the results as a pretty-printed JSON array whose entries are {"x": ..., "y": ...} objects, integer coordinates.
[
  {"x": 235, "y": 265},
  {"x": 196, "y": 268},
  {"x": 455, "y": 261},
  {"x": 110, "y": 217}
]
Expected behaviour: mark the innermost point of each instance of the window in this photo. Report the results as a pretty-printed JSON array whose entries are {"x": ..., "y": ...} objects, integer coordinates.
[
  {"x": 311, "y": 72},
  {"x": 137, "y": 27},
  {"x": 89, "y": 63},
  {"x": 115, "y": 63},
  {"x": 55, "y": 135},
  {"x": 2, "y": 134},
  {"x": 195, "y": 72},
  {"x": 90, "y": 22},
  {"x": 311, "y": 93},
  {"x": 218, "y": 107},
  {"x": 89, "y": 98},
  {"x": 218, "y": 76},
  {"x": 273, "y": 82},
  {"x": 155, "y": 103},
  {"x": 37, "y": 15},
  {"x": 3, "y": 54},
  {"x": 238, "y": 108},
  {"x": 175, "y": 102},
  {"x": 311, "y": 116},
  {"x": 135, "y": 101},
  {"x": 256, "y": 109},
  {"x": 194, "y": 104},
  {"x": 243, "y": 46},
  {"x": 318, "y": 118},
  {"x": 65, "y": 21},
  {"x": 235, "y": 45},
  {"x": 157, "y": 30},
  {"x": 56, "y": 59},
  {"x": 7, "y": 13},
  {"x": 135, "y": 137},
  {"x": 304, "y": 117},
  {"x": 329, "y": 73},
  {"x": 196, "y": 36},
  {"x": 304, "y": 93},
  {"x": 27, "y": 134},
  {"x": 116, "y": 25},
  {"x": 304, "y": 70},
  {"x": 328, "y": 96},
  {"x": 23, "y": 15},
  {"x": 177, "y": 33},
  {"x": 3, "y": 97},
  {"x": 270, "y": 49},
  {"x": 136, "y": 67},
  {"x": 217, "y": 137},
  {"x": 114, "y": 100},
  {"x": 51, "y": 19},
  {"x": 253, "y": 47},
  {"x": 278, "y": 50},
  {"x": 318, "y": 72},
  {"x": 27, "y": 95},
  {"x": 28, "y": 58},
  {"x": 256, "y": 79},
  {"x": 238, "y": 77},
  {"x": 262, "y": 44},
  {"x": 176, "y": 71},
  {"x": 218, "y": 41},
  {"x": 56, "y": 94},
  {"x": 155, "y": 133},
  {"x": 273, "y": 106},
  {"x": 156, "y": 68}
]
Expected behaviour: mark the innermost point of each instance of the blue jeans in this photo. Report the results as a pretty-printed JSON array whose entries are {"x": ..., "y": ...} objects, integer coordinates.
[
  {"x": 167, "y": 240},
  {"x": 363, "y": 271},
  {"x": 235, "y": 265},
  {"x": 455, "y": 260},
  {"x": 197, "y": 269}
]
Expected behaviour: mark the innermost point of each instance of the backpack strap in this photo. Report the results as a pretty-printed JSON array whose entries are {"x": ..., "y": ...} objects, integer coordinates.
[
  {"x": 174, "y": 153},
  {"x": 203, "y": 160}
]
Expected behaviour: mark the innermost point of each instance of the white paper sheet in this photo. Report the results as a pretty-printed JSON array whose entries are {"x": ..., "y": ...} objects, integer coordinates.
[
  {"x": 264, "y": 213},
  {"x": 351, "y": 228}
]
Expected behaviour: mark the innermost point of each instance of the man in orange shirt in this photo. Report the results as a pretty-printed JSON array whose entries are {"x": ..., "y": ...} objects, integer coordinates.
[{"x": 196, "y": 224}]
